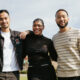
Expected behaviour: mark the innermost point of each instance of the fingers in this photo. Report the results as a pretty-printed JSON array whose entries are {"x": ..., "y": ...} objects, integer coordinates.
[{"x": 23, "y": 35}]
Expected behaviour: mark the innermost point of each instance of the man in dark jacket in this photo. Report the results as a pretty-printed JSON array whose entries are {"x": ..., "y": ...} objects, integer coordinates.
[{"x": 10, "y": 49}]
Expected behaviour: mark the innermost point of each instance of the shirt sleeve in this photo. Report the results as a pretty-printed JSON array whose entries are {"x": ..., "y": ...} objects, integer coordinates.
[
  {"x": 78, "y": 41},
  {"x": 52, "y": 51},
  {"x": 24, "y": 54}
]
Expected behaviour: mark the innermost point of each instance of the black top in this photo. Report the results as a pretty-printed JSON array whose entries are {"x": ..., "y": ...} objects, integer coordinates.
[{"x": 37, "y": 49}]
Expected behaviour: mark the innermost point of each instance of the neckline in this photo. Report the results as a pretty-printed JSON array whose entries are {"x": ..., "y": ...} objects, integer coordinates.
[
  {"x": 65, "y": 31},
  {"x": 38, "y": 36}
]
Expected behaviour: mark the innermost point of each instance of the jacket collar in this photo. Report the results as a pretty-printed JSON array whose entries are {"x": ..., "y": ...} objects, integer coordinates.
[{"x": 11, "y": 32}]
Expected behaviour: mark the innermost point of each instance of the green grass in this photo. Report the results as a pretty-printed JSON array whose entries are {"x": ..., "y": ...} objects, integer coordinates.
[{"x": 23, "y": 78}]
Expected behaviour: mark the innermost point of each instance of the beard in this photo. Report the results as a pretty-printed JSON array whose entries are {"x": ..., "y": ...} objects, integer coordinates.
[{"x": 62, "y": 26}]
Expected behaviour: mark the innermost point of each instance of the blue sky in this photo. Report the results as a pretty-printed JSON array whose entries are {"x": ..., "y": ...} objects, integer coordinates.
[{"x": 23, "y": 12}]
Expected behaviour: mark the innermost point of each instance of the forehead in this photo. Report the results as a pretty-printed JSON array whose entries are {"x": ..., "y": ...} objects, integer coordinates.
[
  {"x": 3, "y": 14},
  {"x": 61, "y": 13},
  {"x": 38, "y": 22}
]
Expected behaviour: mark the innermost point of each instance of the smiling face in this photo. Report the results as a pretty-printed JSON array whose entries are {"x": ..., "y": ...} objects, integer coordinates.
[
  {"x": 62, "y": 19},
  {"x": 38, "y": 27},
  {"x": 4, "y": 20}
]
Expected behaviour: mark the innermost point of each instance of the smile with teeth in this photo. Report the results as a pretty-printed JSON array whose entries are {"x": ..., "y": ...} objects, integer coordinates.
[
  {"x": 36, "y": 30},
  {"x": 4, "y": 23},
  {"x": 62, "y": 23}
]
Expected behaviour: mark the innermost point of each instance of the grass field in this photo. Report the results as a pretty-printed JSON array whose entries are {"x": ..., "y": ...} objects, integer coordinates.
[
  {"x": 23, "y": 78},
  {"x": 23, "y": 75}
]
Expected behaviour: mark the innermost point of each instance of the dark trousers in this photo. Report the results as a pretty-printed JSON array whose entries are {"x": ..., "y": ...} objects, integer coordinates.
[
  {"x": 69, "y": 78},
  {"x": 9, "y": 75},
  {"x": 41, "y": 73}
]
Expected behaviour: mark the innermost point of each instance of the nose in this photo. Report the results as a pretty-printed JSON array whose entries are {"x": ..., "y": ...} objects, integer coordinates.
[
  {"x": 37, "y": 27},
  {"x": 4, "y": 20},
  {"x": 61, "y": 18}
]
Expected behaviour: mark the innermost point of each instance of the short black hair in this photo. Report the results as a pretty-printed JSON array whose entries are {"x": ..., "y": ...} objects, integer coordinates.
[
  {"x": 39, "y": 19},
  {"x": 61, "y": 10},
  {"x": 4, "y": 10}
]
